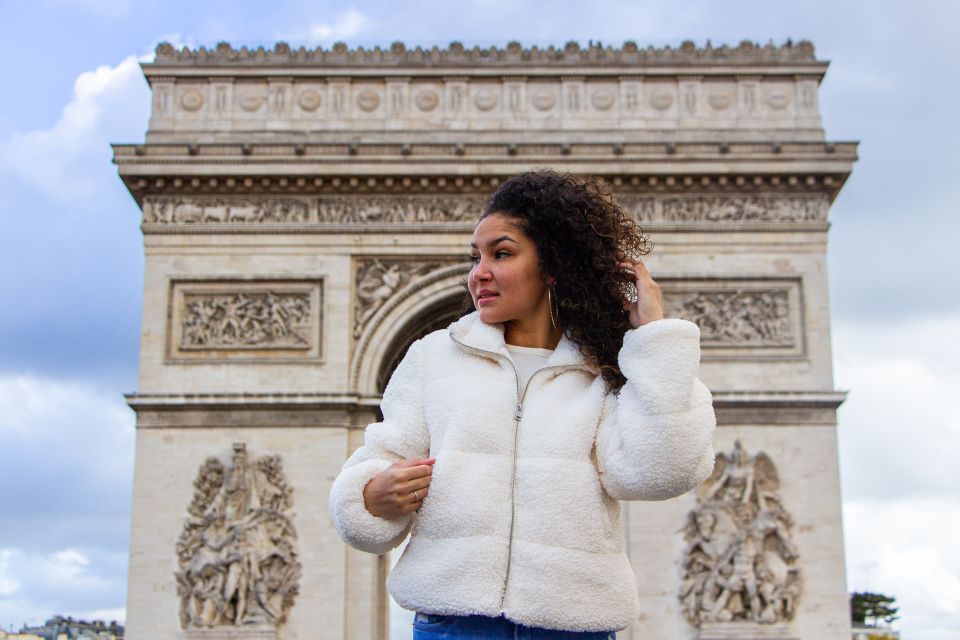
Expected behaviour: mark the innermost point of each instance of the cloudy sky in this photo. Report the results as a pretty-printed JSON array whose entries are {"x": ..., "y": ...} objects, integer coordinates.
[{"x": 71, "y": 263}]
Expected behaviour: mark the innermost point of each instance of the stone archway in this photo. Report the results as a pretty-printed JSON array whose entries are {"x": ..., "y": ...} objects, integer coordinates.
[
  {"x": 428, "y": 303},
  {"x": 436, "y": 317},
  {"x": 305, "y": 215}
]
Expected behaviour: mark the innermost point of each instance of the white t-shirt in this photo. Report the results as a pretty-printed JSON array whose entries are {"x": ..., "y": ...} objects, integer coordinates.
[{"x": 527, "y": 360}]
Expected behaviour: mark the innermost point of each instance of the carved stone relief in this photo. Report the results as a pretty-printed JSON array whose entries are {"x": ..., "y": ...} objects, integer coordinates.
[
  {"x": 260, "y": 319},
  {"x": 237, "y": 555},
  {"x": 378, "y": 279},
  {"x": 188, "y": 211},
  {"x": 238, "y": 211},
  {"x": 396, "y": 209},
  {"x": 740, "y": 562},
  {"x": 759, "y": 316},
  {"x": 738, "y": 317},
  {"x": 726, "y": 208}
]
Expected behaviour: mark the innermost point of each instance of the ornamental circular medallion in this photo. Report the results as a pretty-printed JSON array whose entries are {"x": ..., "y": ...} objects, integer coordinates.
[
  {"x": 309, "y": 100},
  {"x": 661, "y": 101},
  {"x": 778, "y": 101},
  {"x": 251, "y": 101},
  {"x": 368, "y": 100},
  {"x": 427, "y": 100},
  {"x": 602, "y": 100},
  {"x": 544, "y": 100},
  {"x": 192, "y": 100},
  {"x": 720, "y": 101},
  {"x": 485, "y": 100}
]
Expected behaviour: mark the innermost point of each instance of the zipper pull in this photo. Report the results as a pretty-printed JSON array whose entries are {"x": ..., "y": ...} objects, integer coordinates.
[{"x": 518, "y": 413}]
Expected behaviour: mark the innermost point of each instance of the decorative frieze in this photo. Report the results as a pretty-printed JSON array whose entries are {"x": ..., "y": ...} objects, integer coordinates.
[
  {"x": 740, "y": 565},
  {"x": 741, "y": 317},
  {"x": 489, "y": 104},
  {"x": 238, "y": 565},
  {"x": 259, "y": 320},
  {"x": 302, "y": 212},
  {"x": 722, "y": 208},
  {"x": 489, "y": 89},
  {"x": 378, "y": 279},
  {"x": 240, "y": 211},
  {"x": 399, "y": 209}
]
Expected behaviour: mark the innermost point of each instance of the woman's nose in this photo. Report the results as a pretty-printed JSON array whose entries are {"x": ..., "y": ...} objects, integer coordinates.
[{"x": 480, "y": 271}]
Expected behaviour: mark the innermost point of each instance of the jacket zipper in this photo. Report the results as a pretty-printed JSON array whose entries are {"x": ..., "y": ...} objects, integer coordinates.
[{"x": 517, "y": 416}]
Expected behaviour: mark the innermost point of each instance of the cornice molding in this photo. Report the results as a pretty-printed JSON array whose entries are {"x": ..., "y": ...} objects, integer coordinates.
[
  {"x": 258, "y": 410},
  {"x": 571, "y": 54}
]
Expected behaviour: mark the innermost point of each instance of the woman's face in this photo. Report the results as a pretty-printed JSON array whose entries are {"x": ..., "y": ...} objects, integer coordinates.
[{"x": 505, "y": 281}]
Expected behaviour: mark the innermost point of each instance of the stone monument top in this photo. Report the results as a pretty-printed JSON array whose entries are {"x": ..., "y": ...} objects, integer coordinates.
[{"x": 595, "y": 54}]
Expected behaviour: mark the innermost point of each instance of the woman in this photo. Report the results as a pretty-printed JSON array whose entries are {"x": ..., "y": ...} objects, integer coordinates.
[{"x": 555, "y": 399}]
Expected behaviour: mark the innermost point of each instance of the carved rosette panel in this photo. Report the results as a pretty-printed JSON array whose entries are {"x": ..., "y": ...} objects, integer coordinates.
[
  {"x": 238, "y": 564},
  {"x": 231, "y": 319},
  {"x": 746, "y": 317},
  {"x": 681, "y": 209},
  {"x": 376, "y": 280},
  {"x": 740, "y": 562},
  {"x": 399, "y": 209}
]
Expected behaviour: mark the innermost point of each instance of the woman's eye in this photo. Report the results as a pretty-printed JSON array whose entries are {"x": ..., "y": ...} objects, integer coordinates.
[
  {"x": 501, "y": 253},
  {"x": 474, "y": 259}
]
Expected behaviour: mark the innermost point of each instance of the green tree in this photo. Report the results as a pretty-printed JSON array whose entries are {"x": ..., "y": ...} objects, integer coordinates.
[{"x": 870, "y": 609}]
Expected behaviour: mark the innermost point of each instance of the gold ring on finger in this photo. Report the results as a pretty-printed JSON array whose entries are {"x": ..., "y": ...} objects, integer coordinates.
[{"x": 416, "y": 495}]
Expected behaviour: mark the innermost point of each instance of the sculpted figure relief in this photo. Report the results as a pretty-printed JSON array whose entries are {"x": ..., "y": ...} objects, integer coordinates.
[
  {"x": 377, "y": 281},
  {"x": 191, "y": 211},
  {"x": 760, "y": 318},
  {"x": 253, "y": 319},
  {"x": 394, "y": 209},
  {"x": 237, "y": 553},
  {"x": 726, "y": 208},
  {"x": 740, "y": 561}
]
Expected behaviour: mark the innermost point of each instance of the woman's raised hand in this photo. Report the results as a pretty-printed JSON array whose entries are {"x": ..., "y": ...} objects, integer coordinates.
[
  {"x": 399, "y": 489},
  {"x": 647, "y": 307}
]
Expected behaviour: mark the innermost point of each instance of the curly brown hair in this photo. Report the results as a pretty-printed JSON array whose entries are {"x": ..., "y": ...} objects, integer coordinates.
[{"x": 581, "y": 236}]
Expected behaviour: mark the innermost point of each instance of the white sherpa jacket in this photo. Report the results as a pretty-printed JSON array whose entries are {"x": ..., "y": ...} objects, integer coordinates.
[{"x": 522, "y": 517}]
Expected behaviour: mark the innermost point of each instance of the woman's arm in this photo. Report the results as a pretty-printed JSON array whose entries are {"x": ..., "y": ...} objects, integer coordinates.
[
  {"x": 401, "y": 435},
  {"x": 655, "y": 440}
]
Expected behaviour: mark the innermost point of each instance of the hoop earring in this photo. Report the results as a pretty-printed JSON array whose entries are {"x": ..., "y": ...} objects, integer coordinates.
[{"x": 553, "y": 316}]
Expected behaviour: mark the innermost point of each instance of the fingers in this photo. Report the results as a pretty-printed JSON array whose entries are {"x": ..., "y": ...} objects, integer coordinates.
[
  {"x": 414, "y": 495},
  {"x": 636, "y": 267},
  {"x": 413, "y": 462}
]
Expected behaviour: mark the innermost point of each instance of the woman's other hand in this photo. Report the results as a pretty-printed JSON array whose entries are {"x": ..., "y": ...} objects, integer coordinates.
[
  {"x": 647, "y": 307},
  {"x": 399, "y": 489}
]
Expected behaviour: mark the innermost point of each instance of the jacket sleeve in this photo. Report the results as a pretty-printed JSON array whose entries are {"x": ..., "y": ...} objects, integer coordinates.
[
  {"x": 402, "y": 434},
  {"x": 655, "y": 438}
]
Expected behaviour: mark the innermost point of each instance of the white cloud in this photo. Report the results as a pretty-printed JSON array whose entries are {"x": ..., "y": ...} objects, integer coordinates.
[
  {"x": 907, "y": 549},
  {"x": 899, "y": 432},
  {"x": 70, "y": 160},
  {"x": 60, "y": 582},
  {"x": 899, "y": 429},
  {"x": 8, "y": 585},
  {"x": 62, "y": 550},
  {"x": 346, "y": 24}
]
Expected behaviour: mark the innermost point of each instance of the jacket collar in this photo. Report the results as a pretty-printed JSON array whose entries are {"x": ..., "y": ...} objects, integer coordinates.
[{"x": 472, "y": 332}]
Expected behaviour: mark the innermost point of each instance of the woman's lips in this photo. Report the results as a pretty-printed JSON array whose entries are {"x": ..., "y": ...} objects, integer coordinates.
[{"x": 486, "y": 298}]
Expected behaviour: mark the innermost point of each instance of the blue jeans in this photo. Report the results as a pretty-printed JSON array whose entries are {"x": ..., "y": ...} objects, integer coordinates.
[{"x": 430, "y": 626}]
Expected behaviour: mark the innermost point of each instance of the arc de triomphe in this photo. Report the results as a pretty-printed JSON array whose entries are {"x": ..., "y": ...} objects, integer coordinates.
[{"x": 306, "y": 215}]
